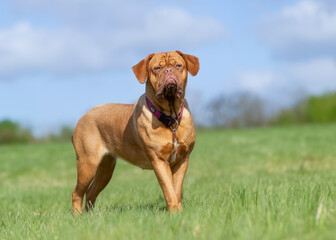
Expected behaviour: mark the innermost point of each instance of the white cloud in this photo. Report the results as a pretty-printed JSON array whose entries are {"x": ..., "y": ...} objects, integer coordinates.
[
  {"x": 75, "y": 47},
  {"x": 24, "y": 48},
  {"x": 305, "y": 29},
  {"x": 303, "y": 37},
  {"x": 170, "y": 27},
  {"x": 315, "y": 76},
  {"x": 255, "y": 81},
  {"x": 290, "y": 82}
]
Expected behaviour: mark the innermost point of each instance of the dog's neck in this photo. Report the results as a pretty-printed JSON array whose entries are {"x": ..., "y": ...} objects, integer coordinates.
[{"x": 170, "y": 107}]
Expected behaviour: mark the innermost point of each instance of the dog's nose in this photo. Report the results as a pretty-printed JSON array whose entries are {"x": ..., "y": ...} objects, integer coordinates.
[{"x": 169, "y": 70}]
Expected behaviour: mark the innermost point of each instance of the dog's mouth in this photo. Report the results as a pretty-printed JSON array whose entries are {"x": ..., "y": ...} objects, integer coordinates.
[{"x": 169, "y": 89}]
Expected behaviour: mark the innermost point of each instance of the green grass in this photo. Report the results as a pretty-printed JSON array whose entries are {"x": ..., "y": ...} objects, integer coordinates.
[{"x": 270, "y": 183}]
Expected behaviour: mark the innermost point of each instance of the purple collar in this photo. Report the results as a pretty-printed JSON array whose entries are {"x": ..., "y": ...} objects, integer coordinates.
[{"x": 166, "y": 120}]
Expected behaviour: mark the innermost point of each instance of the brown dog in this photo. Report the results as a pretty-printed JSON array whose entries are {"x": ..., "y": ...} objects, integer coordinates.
[{"x": 155, "y": 133}]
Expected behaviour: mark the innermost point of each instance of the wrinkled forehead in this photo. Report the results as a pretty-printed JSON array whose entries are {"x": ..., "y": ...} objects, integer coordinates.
[{"x": 166, "y": 58}]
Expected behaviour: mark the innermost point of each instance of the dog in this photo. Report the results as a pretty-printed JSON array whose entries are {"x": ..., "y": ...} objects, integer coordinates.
[{"x": 155, "y": 133}]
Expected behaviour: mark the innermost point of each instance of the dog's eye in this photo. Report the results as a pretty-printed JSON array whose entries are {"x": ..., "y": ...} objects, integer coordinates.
[
  {"x": 157, "y": 68},
  {"x": 179, "y": 65}
]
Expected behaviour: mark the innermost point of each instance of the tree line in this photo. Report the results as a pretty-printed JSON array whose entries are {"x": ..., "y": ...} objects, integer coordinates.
[
  {"x": 247, "y": 110},
  {"x": 237, "y": 110},
  {"x": 12, "y": 132}
]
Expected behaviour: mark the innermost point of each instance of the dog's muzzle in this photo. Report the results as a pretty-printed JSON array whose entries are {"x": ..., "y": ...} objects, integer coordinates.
[{"x": 170, "y": 90}]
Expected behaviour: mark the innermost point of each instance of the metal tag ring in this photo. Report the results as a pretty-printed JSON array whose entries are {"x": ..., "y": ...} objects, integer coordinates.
[{"x": 177, "y": 125}]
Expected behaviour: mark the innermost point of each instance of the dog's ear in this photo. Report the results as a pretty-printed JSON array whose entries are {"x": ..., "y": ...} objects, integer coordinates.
[
  {"x": 192, "y": 63},
  {"x": 141, "y": 69}
]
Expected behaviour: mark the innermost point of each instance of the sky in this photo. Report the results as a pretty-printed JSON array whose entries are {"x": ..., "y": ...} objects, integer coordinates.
[{"x": 60, "y": 58}]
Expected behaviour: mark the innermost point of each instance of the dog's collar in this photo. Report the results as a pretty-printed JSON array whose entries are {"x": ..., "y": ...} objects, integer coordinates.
[{"x": 166, "y": 120}]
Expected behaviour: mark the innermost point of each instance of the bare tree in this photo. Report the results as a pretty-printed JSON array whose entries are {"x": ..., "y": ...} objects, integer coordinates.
[{"x": 237, "y": 110}]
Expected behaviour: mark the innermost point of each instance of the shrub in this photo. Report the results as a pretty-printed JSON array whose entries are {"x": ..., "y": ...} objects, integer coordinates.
[
  {"x": 11, "y": 132},
  {"x": 316, "y": 109}
]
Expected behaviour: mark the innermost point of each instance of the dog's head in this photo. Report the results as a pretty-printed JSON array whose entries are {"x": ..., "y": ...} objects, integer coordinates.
[{"x": 167, "y": 72}]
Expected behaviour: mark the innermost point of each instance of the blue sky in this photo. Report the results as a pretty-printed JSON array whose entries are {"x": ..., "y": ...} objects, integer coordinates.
[{"x": 60, "y": 58}]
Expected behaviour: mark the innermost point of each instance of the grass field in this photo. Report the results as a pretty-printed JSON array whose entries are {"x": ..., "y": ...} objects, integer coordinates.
[{"x": 267, "y": 183}]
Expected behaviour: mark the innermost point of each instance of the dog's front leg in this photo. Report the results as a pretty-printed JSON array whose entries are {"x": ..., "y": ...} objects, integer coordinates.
[
  {"x": 164, "y": 175},
  {"x": 179, "y": 170}
]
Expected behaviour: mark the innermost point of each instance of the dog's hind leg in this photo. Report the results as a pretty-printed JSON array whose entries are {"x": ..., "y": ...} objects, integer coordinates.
[
  {"x": 101, "y": 179},
  {"x": 85, "y": 174}
]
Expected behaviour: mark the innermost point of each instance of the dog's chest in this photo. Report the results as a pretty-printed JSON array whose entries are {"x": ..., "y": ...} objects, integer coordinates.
[
  {"x": 173, "y": 155},
  {"x": 174, "y": 152}
]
